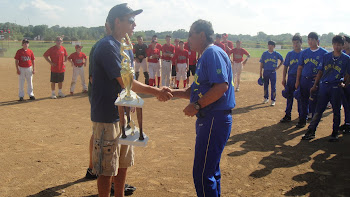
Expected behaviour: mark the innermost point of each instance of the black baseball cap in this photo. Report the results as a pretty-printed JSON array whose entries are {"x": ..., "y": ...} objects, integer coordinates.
[
  {"x": 121, "y": 10},
  {"x": 25, "y": 41}
]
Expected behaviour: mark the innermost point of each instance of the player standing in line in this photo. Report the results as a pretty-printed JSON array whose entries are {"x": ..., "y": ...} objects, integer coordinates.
[
  {"x": 238, "y": 63},
  {"x": 58, "y": 57},
  {"x": 153, "y": 55},
  {"x": 173, "y": 67},
  {"x": 228, "y": 44},
  {"x": 346, "y": 93},
  {"x": 78, "y": 60},
  {"x": 291, "y": 66},
  {"x": 159, "y": 47},
  {"x": 140, "y": 51},
  {"x": 309, "y": 60},
  {"x": 181, "y": 59},
  {"x": 268, "y": 62},
  {"x": 192, "y": 59},
  {"x": 211, "y": 100},
  {"x": 168, "y": 51},
  {"x": 335, "y": 66},
  {"x": 218, "y": 42},
  {"x": 24, "y": 61}
]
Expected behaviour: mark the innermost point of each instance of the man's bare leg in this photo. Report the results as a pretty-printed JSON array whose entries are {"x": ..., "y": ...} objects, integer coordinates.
[
  {"x": 52, "y": 86},
  {"x": 90, "y": 150},
  {"x": 119, "y": 182},
  {"x": 60, "y": 85},
  {"x": 104, "y": 185}
]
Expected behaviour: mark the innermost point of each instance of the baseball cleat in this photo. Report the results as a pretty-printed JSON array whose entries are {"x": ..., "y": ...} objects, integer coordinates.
[
  {"x": 53, "y": 96},
  {"x": 286, "y": 118},
  {"x": 266, "y": 101},
  {"x": 273, "y": 103},
  {"x": 334, "y": 137},
  {"x": 301, "y": 124},
  {"x": 21, "y": 99},
  {"x": 309, "y": 135},
  {"x": 31, "y": 98},
  {"x": 60, "y": 94}
]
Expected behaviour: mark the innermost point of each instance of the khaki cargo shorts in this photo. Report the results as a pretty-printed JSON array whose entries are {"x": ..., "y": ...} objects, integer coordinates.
[{"x": 107, "y": 155}]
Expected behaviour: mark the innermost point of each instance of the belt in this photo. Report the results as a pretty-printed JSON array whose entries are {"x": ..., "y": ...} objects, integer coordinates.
[
  {"x": 77, "y": 66},
  {"x": 167, "y": 60},
  {"x": 202, "y": 114}
]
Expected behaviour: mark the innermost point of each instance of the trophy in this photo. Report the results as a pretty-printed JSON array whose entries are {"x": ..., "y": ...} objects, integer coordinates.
[{"x": 128, "y": 98}]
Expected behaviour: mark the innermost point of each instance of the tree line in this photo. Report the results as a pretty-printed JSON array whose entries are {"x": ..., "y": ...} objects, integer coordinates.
[{"x": 46, "y": 33}]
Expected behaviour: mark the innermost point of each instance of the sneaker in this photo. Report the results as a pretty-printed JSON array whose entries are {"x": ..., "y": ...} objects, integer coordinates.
[
  {"x": 31, "y": 98},
  {"x": 21, "y": 99},
  {"x": 53, "y": 96},
  {"x": 329, "y": 105},
  {"x": 266, "y": 101},
  {"x": 90, "y": 175},
  {"x": 273, "y": 103},
  {"x": 345, "y": 129},
  {"x": 60, "y": 94},
  {"x": 286, "y": 118},
  {"x": 128, "y": 189},
  {"x": 237, "y": 89},
  {"x": 85, "y": 91},
  {"x": 301, "y": 124},
  {"x": 334, "y": 137},
  {"x": 309, "y": 135},
  {"x": 71, "y": 93},
  {"x": 309, "y": 117}
]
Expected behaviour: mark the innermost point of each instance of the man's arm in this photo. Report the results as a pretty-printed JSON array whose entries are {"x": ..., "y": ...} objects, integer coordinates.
[
  {"x": 245, "y": 61},
  {"x": 182, "y": 93},
  {"x": 261, "y": 67},
  {"x": 48, "y": 60},
  {"x": 17, "y": 67},
  {"x": 281, "y": 62},
  {"x": 33, "y": 63},
  {"x": 297, "y": 82},
  {"x": 284, "y": 76},
  {"x": 317, "y": 81}
]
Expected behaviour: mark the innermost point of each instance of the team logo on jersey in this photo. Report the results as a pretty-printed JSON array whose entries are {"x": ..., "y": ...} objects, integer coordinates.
[
  {"x": 25, "y": 58},
  {"x": 274, "y": 56},
  {"x": 218, "y": 71},
  {"x": 62, "y": 51},
  {"x": 318, "y": 57},
  {"x": 340, "y": 62}
]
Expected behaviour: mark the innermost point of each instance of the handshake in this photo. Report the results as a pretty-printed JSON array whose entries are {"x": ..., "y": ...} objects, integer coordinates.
[{"x": 164, "y": 94}]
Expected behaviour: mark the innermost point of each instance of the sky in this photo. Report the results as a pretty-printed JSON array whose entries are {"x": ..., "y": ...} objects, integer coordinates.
[{"x": 227, "y": 16}]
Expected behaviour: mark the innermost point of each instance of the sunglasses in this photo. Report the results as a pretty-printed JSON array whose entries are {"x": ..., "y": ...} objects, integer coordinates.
[{"x": 131, "y": 20}]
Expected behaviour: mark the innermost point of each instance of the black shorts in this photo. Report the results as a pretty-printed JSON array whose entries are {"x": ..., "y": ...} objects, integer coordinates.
[
  {"x": 192, "y": 69},
  {"x": 173, "y": 71},
  {"x": 57, "y": 77}
]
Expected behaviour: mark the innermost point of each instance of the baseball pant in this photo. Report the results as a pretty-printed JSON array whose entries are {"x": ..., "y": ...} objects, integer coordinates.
[
  {"x": 290, "y": 95},
  {"x": 78, "y": 71},
  {"x": 212, "y": 133},
  {"x": 270, "y": 76},
  {"x": 166, "y": 72},
  {"x": 345, "y": 99},
  {"x": 236, "y": 71},
  {"x": 142, "y": 65},
  {"x": 158, "y": 68},
  {"x": 26, "y": 75},
  {"x": 181, "y": 72},
  {"x": 307, "y": 105},
  {"x": 328, "y": 92},
  {"x": 152, "y": 69}
]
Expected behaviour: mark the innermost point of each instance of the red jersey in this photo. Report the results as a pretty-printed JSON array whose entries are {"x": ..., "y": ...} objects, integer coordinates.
[
  {"x": 151, "y": 52},
  {"x": 177, "y": 48},
  {"x": 181, "y": 56},
  {"x": 230, "y": 45},
  {"x": 25, "y": 57},
  {"x": 57, "y": 56},
  {"x": 77, "y": 58},
  {"x": 219, "y": 44},
  {"x": 167, "y": 49},
  {"x": 192, "y": 55},
  {"x": 238, "y": 54},
  {"x": 158, "y": 46}
]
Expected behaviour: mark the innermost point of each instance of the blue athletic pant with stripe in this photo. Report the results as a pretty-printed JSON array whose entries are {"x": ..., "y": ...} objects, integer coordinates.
[
  {"x": 212, "y": 131},
  {"x": 307, "y": 105},
  {"x": 270, "y": 76},
  {"x": 332, "y": 93},
  {"x": 345, "y": 99},
  {"x": 291, "y": 88}
]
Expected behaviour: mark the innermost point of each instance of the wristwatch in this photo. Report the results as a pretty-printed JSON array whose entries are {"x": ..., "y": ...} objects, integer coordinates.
[{"x": 197, "y": 106}]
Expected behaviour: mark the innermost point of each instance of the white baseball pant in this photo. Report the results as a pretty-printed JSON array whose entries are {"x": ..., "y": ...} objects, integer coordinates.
[
  {"x": 181, "y": 68},
  {"x": 26, "y": 74},
  {"x": 152, "y": 69},
  {"x": 237, "y": 70},
  {"x": 78, "y": 71},
  {"x": 142, "y": 65},
  {"x": 166, "y": 72}
]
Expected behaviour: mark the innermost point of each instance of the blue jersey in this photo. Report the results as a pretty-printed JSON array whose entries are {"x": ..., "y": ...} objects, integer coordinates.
[
  {"x": 105, "y": 87},
  {"x": 292, "y": 61},
  {"x": 334, "y": 68},
  {"x": 310, "y": 60},
  {"x": 270, "y": 60},
  {"x": 214, "y": 66}
]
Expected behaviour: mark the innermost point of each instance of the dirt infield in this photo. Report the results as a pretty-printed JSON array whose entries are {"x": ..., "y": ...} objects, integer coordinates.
[{"x": 44, "y": 145}]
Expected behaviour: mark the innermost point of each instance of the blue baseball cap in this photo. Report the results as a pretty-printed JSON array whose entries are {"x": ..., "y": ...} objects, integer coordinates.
[
  {"x": 261, "y": 81},
  {"x": 297, "y": 94}
]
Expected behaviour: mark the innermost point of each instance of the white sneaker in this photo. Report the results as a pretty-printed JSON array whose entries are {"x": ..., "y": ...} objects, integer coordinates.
[
  {"x": 273, "y": 103},
  {"x": 309, "y": 116},
  {"x": 60, "y": 94},
  {"x": 53, "y": 96},
  {"x": 237, "y": 89},
  {"x": 266, "y": 101}
]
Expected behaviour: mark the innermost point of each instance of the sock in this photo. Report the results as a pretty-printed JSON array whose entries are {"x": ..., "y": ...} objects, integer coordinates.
[
  {"x": 158, "y": 81},
  {"x": 59, "y": 90},
  {"x": 53, "y": 92},
  {"x": 177, "y": 83},
  {"x": 185, "y": 82}
]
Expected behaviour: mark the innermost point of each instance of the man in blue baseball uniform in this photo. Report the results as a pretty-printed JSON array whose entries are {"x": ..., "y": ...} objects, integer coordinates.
[
  {"x": 307, "y": 71},
  {"x": 335, "y": 66},
  {"x": 346, "y": 93},
  {"x": 211, "y": 100},
  {"x": 291, "y": 65},
  {"x": 268, "y": 62}
]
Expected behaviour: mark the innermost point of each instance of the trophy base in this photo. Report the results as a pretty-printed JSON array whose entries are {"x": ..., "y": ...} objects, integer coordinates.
[
  {"x": 133, "y": 140},
  {"x": 133, "y": 101}
]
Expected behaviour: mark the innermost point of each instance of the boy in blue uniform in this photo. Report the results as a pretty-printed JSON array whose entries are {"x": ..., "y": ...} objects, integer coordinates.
[
  {"x": 291, "y": 64},
  {"x": 211, "y": 100},
  {"x": 268, "y": 62},
  {"x": 307, "y": 70},
  {"x": 346, "y": 93},
  {"x": 335, "y": 65}
]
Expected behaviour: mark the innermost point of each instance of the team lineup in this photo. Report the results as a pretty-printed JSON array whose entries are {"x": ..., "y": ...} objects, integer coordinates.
[{"x": 313, "y": 76}]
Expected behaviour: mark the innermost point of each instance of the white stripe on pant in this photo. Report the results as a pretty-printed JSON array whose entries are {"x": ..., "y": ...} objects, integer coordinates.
[
  {"x": 76, "y": 72},
  {"x": 166, "y": 72},
  {"x": 26, "y": 74}
]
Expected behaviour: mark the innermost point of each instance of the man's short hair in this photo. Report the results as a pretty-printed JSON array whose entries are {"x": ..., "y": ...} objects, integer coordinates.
[
  {"x": 238, "y": 41},
  {"x": 204, "y": 26},
  {"x": 119, "y": 11},
  {"x": 271, "y": 43},
  {"x": 168, "y": 36},
  {"x": 313, "y": 35},
  {"x": 347, "y": 39},
  {"x": 59, "y": 38},
  {"x": 139, "y": 37},
  {"x": 218, "y": 36},
  {"x": 154, "y": 36},
  {"x": 181, "y": 42},
  {"x": 297, "y": 37},
  {"x": 338, "y": 39}
]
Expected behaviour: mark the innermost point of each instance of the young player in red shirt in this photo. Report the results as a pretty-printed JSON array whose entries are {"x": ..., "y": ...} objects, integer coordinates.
[
  {"x": 228, "y": 44},
  {"x": 238, "y": 63},
  {"x": 218, "y": 42},
  {"x": 181, "y": 59},
  {"x": 153, "y": 59},
  {"x": 78, "y": 60},
  {"x": 173, "y": 67},
  {"x": 192, "y": 59},
  {"x": 168, "y": 51},
  {"x": 58, "y": 57},
  {"x": 24, "y": 60},
  {"x": 159, "y": 47}
]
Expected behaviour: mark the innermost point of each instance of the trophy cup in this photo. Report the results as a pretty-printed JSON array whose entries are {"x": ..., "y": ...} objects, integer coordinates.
[{"x": 128, "y": 98}]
